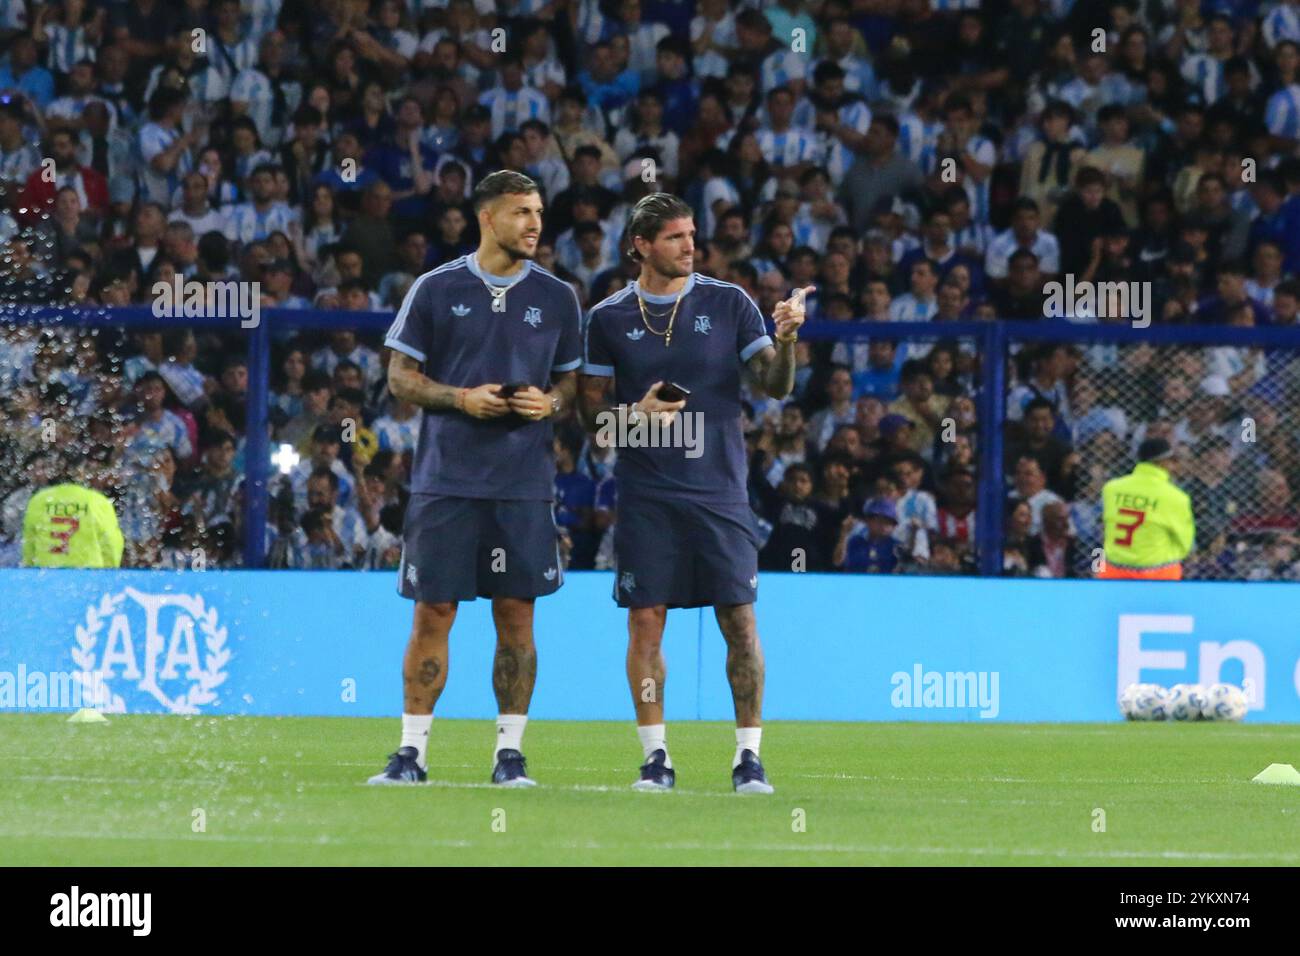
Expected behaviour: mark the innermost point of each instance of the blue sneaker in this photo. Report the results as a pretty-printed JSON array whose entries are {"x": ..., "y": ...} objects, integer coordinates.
[
  {"x": 748, "y": 775},
  {"x": 511, "y": 770},
  {"x": 401, "y": 768},
  {"x": 656, "y": 776}
]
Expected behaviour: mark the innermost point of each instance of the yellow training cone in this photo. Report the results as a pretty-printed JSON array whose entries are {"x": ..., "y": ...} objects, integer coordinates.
[{"x": 1279, "y": 773}]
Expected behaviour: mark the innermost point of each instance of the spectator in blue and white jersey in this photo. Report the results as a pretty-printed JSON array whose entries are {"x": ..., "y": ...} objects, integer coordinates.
[
  {"x": 326, "y": 444},
  {"x": 920, "y": 303},
  {"x": 510, "y": 103},
  {"x": 643, "y": 38},
  {"x": 971, "y": 238},
  {"x": 399, "y": 428},
  {"x": 645, "y": 129},
  {"x": 1023, "y": 234},
  {"x": 186, "y": 69},
  {"x": 323, "y": 495},
  {"x": 393, "y": 46},
  {"x": 263, "y": 214},
  {"x": 344, "y": 346},
  {"x": 156, "y": 427},
  {"x": 859, "y": 75},
  {"x": 920, "y": 124},
  {"x": 778, "y": 64},
  {"x": 789, "y": 148},
  {"x": 231, "y": 49},
  {"x": 19, "y": 156},
  {"x": 1281, "y": 23},
  {"x": 164, "y": 149},
  {"x": 267, "y": 92},
  {"x": 67, "y": 34},
  {"x": 79, "y": 91},
  {"x": 818, "y": 213},
  {"x": 259, "y": 17},
  {"x": 713, "y": 37},
  {"x": 1282, "y": 112},
  {"x": 1205, "y": 71},
  {"x": 974, "y": 155}
]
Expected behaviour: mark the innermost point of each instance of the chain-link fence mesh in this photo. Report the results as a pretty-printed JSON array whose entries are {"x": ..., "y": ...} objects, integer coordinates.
[
  {"x": 341, "y": 449},
  {"x": 138, "y": 416},
  {"x": 873, "y": 466},
  {"x": 1077, "y": 414}
]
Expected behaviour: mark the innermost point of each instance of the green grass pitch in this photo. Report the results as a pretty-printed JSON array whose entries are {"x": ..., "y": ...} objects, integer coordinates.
[{"x": 290, "y": 791}]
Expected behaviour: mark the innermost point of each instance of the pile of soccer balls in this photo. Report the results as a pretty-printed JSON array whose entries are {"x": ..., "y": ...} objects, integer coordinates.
[{"x": 1183, "y": 702}]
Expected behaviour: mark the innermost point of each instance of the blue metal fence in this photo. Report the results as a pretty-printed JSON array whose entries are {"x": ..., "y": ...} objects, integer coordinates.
[{"x": 993, "y": 340}]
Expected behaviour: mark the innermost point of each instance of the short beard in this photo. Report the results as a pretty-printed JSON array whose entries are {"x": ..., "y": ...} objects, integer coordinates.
[
  {"x": 669, "y": 269},
  {"x": 518, "y": 253}
]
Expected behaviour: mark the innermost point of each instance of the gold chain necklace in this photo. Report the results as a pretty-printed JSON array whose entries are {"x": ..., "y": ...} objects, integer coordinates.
[{"x": 668, "y": 332}]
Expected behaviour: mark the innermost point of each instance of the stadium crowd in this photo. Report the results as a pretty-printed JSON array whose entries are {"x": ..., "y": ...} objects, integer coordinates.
[{"x": 916, "y": 160}]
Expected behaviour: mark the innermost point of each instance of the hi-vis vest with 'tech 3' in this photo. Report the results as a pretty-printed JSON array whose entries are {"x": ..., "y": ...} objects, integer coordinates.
[{"x": 1147, "y": 518}]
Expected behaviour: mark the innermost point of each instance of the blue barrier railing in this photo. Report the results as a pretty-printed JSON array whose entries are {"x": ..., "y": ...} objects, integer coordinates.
[{"x": 991, "y": 338}]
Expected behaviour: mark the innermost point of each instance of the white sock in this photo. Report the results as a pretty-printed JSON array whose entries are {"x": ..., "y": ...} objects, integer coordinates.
[
  {"x": 653, "y": 737},
  {"x": 415, "y": 733},
  {"x": 747, "y": 738},
  {"x": 510, "y": 732}
]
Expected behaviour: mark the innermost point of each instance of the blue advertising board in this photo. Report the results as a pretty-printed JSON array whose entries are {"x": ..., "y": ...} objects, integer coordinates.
[{"x": 838, "y": 647}]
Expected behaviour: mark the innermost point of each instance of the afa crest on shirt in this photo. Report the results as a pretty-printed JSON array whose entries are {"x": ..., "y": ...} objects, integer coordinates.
[
  {"x": 533, "y": 316},
  {"x": 703, "y": 325}
]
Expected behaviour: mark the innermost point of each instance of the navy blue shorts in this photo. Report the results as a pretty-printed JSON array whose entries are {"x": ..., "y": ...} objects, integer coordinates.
[
  {"x": 683, "y": 553},
  {"x": 457, "y": 549}
]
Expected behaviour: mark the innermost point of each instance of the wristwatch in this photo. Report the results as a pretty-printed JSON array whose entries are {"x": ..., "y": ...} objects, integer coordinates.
[
  {"x": 634, "y": 415},
  {"x": 555, "y": 404}
]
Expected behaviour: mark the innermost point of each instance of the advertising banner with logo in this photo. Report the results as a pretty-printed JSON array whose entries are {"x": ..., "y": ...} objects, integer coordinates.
[{"x": 837, "y": 647}]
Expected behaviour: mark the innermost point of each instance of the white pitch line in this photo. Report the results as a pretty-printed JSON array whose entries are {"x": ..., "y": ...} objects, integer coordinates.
[{"x": 641, "y": 844}]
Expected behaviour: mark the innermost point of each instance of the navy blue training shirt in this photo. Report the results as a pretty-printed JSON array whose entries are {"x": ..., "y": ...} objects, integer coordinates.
[
  {"x": 447, "y": 323},
  {"x": 717, "y": 329}
]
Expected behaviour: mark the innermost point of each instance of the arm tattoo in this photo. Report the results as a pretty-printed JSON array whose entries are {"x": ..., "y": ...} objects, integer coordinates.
[
  {"x": 407, "y": 382},
  {"x": 565, "y": 387},
  {"x": 592, "y": 394},
  {"x": 774, "y": 367}
]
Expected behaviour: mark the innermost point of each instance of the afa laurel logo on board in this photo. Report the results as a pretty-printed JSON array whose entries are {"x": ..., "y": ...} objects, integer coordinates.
[{"x": 138, "y": 651}]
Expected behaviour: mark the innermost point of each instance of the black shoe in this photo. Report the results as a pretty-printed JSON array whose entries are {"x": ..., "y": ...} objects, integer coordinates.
[
  {"x": 401, "y": 768},
  {"x": 511, "y": 770},
  {"x": 748, "y": 775},
  {"x": 655, "y": 775}
]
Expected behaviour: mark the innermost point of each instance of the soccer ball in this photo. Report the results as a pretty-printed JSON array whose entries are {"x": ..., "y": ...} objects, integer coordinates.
[
  {"x": 1144, "y": 702},
  {"x": 1224, "y": 702},
  {"x": 1128, "y": 701},
  {"x": 1186, "y": 701}
]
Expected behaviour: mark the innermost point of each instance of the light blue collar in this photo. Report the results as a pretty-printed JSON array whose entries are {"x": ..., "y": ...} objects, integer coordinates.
[
  {"x": 665, "y": 299},
  {"x": 472, "y": 261}
]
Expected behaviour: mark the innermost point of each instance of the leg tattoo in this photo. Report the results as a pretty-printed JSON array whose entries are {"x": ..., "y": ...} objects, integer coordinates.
[
  {"x": 514, "y": 671},
  {"x": 744, "y": 662}
]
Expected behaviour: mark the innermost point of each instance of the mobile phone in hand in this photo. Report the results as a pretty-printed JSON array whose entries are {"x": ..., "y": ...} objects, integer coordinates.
[
  {"x": 672, "y": 392},
  {"x": 507, "y": 391}
]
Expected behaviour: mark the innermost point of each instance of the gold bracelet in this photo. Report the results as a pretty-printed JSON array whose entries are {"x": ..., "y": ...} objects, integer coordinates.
[{"x": 788, "y": 341}]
